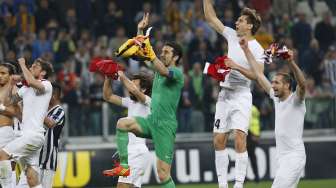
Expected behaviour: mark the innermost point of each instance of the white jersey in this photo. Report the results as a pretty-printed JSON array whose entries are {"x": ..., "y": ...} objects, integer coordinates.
[
  {"x": 136, "y": 109},
  {"x": 289, "y": 119},
  {"x": 35, "y": 107},
  {"x": 235, "y": 79}
]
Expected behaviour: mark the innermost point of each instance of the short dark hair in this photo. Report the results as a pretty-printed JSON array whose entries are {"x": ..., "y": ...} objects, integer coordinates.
[
  {"x": 286, "y": 78},
  {"x": 177, "y": 50},
  {"x": 10, "y": 67},
  {"x": 46, "y": 66},
  {"x": 146, "y": 82},
  {"x": 252, "y": 18},
  {"x": 57, "y": 90}
]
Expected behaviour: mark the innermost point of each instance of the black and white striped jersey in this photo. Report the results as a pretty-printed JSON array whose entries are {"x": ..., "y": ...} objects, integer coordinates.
[{"x": 49, "y": 151}]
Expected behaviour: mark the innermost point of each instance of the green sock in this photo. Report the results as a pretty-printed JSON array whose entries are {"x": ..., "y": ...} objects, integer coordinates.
[
  {"x": 168, "y": 184},
  {"x": 122, "y": 142}
]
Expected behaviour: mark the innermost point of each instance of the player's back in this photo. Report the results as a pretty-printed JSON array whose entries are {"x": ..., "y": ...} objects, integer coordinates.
[
  {"x": 235, "y": 78},
  {"x": 35, "y": 107},
  {"x": 289, "y": 120}
]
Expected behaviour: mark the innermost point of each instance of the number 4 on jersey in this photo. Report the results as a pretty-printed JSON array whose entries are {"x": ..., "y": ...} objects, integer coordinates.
[{"x": 217, "y": 123}]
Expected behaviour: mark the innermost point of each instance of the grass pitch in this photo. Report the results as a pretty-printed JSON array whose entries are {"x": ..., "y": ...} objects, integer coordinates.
[{"x": 328, "y": 183}]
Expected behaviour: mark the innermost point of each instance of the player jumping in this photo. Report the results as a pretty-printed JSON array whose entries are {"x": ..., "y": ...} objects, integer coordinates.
[{"x": 233, "y": 108}]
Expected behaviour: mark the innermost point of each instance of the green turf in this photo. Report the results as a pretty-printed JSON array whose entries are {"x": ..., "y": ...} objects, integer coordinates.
[{"x": 266, "y": 184}]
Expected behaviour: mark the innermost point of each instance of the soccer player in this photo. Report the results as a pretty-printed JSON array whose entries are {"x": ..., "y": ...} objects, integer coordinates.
[
  {"x": 7, "y": 111},
  {"x": 161, "y": 124},
  {"x": 54, "y": 122},
  {"x": 290, "y": 110},
  {"x": 233, "y": 108},
  {"x": 138, "y": 104},
  {"x": 36, "y": 99}
]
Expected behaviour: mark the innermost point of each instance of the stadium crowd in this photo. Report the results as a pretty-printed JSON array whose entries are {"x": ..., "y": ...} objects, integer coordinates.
[{"x": 70, "y": 33}]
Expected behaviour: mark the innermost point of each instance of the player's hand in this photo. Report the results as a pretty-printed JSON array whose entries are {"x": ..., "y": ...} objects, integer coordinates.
[
  {"x": 243, "y": 43},
  {"x": 22, "y": 61},
  {"x": 14, "y": 79},
  {"x": 231, "y": 64},
  {"x": 291, "y": 56},
  {"x": 144, "y": 22}
]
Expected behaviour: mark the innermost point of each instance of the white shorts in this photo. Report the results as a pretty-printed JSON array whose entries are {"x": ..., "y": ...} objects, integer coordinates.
[
  {"x": 47, "y": 177},
  {"x": 138, "y": 161},
  {"x": 7, "y": 135},
  {"x": 26, "y": 148},
  {"x": 233, "y": 110},
  {"x": 289, "y": 170}
]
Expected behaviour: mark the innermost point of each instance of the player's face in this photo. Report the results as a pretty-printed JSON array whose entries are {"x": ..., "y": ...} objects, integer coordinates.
[
  {"x": 4, "y": 75},
  {"x": 36, "y": 69},
  {"x": 136, "y": 83},
  {"x": 279, "y": 86},
  {"x": 167, "y": 55},
  {"x": 242, "y": 27}
]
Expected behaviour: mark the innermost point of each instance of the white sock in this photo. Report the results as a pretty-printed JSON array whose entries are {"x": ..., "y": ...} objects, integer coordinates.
[
  {"x": 222, "y": 163},
  {"x": 6, "y": 174},
  {"x": 240, "y": 169},
  {"x": 38, "y": 186},
  {"x": 13, "y": 178}
]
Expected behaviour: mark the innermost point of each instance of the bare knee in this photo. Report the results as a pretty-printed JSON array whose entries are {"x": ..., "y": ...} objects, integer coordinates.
[
  {"x": 220, "y": 140},
  {"x": 123, "y": 123},
  {"x": 3, "y": 155},
  {"x": 240, "y": 141},
  {"x": 32, "y": 177}
]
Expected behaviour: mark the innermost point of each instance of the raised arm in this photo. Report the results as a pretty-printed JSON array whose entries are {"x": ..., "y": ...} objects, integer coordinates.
[
  {"x": 131, "y": 87},
  {"x": 257, "y": 70},
  {"x": 211, "y": 18},
  {"x": 32, "y": 82},
  {"x": 143, "y": 24},
  {"x": 298, "y": 74},
  {"x": 108, "y": 94}
]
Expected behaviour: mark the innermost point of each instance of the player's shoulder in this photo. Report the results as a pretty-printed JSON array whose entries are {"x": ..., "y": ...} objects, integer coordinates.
[{"x": 256, "y": 46}]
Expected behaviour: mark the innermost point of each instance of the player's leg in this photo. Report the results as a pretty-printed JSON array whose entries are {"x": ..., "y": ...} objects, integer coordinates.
[
  {"x": 241, "y": 158},
  {"x": 220, "y": 138},
  {"x": 47, "y": 177},
  {"x": 32, "y": 174},
  {"x": 240, "y": 120},
  {"x": 5, "y": 170},
  {"x": 163, "y": 170},
  {"x": 138, "y": 126},
  {"x": 290, "y": 169},
  {"x": 164, "y": 140},
  {"x": 125, "y": 125}
]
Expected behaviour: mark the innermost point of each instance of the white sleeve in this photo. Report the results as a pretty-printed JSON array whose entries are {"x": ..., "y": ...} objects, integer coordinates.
[
  {"x": 125, "y": 102},
  {"x": 259, "y": 54},
  {"x": 297, "y": 98},
  {"x": 229, "y": 33},
  {"x": 148, "y": 101},
  {"x": 271, "y": 94},
  {"x": 47, "y": 86}
]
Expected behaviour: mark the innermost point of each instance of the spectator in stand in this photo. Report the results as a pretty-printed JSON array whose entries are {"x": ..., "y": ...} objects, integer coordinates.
[
  {"x": 24, "y": 20},
  {"x": 312, "y": 59},
  {"x": 329, "y": 68},
  {"x": 301, "y": 35},
  {"x": 63, "y": 47},
  {"x": 112, "y": 19},
  {"x": 118, "y": 40},
  {"x": 44, "y": 14},
  {"x": 325, "y": 32},
  {"x": 185, "y": 105},
  {"x": 96, "y": 103},
  {"x": 41, "y": 45}
]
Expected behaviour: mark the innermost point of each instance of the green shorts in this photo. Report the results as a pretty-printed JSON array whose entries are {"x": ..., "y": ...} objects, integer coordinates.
[{"x": 162, "y": 133}]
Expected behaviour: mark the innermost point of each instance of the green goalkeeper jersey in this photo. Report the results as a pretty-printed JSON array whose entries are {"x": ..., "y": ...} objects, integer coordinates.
[{"x": 166, "y": 94}]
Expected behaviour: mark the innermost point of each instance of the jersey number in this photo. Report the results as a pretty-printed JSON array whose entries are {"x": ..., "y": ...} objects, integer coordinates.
[{"x": 217, "y": 123}]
